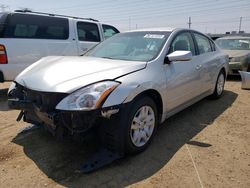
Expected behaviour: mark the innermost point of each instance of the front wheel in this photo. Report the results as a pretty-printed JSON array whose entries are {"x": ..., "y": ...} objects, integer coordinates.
[
  {"x": 219, "y": 86},
  {"x": 141, "y": 125}
]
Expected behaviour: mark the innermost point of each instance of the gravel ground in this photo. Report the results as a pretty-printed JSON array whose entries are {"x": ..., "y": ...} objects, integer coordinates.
[{"x": 206, "y": 145}]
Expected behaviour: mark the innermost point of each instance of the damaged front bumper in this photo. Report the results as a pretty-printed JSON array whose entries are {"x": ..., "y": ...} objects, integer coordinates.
[{"x": 39, "y": 108}]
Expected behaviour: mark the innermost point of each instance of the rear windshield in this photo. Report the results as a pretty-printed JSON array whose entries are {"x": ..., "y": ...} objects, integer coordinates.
[{"x": 36, "y": 27}]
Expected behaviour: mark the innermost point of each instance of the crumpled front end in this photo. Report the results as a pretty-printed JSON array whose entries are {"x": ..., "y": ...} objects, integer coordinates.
[{"x": 40, "y": 108}]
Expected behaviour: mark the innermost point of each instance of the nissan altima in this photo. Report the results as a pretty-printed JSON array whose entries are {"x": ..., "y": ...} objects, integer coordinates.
[{"x": 123, "y": 88}]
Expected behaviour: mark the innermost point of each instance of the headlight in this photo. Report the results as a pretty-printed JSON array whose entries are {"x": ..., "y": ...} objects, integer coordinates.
[
  {"x": 87, "y": 98},
  {"x": 238, "y": 59}
]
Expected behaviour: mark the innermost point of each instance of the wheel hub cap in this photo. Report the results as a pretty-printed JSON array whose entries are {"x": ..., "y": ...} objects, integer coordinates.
[
  {"x": 142, "y": 126},
  {"x": 220, "y": 84}
]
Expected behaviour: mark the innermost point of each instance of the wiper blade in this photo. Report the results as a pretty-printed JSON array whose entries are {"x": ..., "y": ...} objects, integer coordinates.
[{"x": 107, "y": 57}]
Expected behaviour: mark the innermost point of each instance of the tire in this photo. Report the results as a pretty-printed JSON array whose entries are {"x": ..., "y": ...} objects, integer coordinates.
[
  {"x": 219, "y": 86},
  {"x": 138, "y": 137}
]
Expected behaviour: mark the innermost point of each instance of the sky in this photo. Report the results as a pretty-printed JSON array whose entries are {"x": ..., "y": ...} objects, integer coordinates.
[{"x": 208, "y": 16}]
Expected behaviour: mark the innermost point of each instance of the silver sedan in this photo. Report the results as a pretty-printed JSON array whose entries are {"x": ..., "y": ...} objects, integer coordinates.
[{"x": 124, "y": 87}]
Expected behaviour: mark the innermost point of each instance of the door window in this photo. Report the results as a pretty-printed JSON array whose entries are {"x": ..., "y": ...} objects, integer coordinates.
[
  {"x": 109, "y": 31},
  {"x": 183, "y": 41},
  {"x": 202, "y": 43},
  {"x": 88, "y": 32}
]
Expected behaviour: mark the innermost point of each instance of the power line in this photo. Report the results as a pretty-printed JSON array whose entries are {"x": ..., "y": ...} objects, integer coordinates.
[
  {"x": 112, "y": 4},
  {"x": 120, "y": 8},
  {"x": 153, "y": 15}
]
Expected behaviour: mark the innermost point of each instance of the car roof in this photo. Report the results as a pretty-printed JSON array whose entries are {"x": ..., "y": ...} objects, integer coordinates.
[
  {"x": 27, "y": 12},
  {"x": 164, "y": 29},
  {"x": 167, "y": 29},
  {"x": 234, "y": 37}
]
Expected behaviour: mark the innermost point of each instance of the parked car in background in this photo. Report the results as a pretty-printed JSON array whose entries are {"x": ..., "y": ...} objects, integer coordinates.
[
  {"x": 27, "y": 36},
  {"x": 124, "y": 87},
  {"x": 238, "y": 49}
]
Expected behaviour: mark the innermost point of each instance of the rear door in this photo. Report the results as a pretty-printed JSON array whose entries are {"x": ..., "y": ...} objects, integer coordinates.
[
  {"x": 207, "y": 62},
  {"x": 181, "y": 76},
  {"x": 27, "y": 38},
  {"x": 88, "y": 35}
]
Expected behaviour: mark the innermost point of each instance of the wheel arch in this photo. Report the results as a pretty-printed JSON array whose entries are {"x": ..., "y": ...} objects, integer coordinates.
[
  {"x": 224, "y": 71},
  {"x": 155, "y": 96}
]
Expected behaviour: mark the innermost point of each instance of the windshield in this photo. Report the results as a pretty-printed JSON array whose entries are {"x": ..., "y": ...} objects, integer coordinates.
[
  {"x": 234, "y": 44},
  {"x": 132, "y": 46}
]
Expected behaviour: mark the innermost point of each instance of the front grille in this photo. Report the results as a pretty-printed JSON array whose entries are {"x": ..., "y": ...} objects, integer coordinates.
[
  {"x": 42, "y": 110},
  {"x": 44, "y": 101}
]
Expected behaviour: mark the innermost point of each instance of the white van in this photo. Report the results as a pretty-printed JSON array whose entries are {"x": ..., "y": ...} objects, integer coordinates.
[{"x": 27, "y": 36}]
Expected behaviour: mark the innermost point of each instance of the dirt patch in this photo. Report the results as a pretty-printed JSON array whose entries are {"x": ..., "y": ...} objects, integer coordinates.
[
  {"x": 206, "y": 145},
  {"x": 6, "y": 153}
]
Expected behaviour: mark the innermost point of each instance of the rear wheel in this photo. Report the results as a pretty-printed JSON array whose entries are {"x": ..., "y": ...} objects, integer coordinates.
[{"x": 219, "y": 86}]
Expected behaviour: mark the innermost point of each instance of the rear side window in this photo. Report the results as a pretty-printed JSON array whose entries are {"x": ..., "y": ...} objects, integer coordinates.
[
  {"x": 109, "y": 31},
  {"x": 3, "y": 17},
  {"x": 36, "y": 27},
  {"x": 88, "y": 32},
  {"x": 203, "y": 43}
]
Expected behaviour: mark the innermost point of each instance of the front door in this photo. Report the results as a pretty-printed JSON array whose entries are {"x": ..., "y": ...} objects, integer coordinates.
[{"x": 181, "y": 76}]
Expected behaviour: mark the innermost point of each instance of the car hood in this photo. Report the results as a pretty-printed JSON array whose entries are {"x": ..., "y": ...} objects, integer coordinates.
[
  {"x": 236, "y": 53},
  {"x": 68, "y": 73}
]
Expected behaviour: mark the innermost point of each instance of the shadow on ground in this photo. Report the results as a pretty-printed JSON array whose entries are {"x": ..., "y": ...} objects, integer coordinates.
[
  {"x": 234, "y": 78},
  {"x": 60, "y": 160}
]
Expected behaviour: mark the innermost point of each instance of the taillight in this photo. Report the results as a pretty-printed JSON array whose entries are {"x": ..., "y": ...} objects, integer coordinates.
[{"x": 3, "y": 55}]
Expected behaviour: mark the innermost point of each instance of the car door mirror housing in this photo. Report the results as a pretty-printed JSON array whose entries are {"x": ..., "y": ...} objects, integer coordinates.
[{"x": 178, "y": 56}]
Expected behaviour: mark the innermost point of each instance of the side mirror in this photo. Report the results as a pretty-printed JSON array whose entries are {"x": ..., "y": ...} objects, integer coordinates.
[{"x": 179, "y": 56}]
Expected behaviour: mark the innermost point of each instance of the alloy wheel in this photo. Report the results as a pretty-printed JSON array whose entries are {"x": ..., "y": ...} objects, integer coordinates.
[
  {"x": 220, "y": 84},
  {"x": 142, "y": 126}
]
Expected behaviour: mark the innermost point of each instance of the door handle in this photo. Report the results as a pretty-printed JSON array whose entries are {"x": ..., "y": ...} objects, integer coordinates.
[{"x": 198, "y": 67}]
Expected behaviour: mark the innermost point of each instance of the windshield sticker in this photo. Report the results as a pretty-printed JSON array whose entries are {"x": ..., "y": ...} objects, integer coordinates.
[
  {"x": 244, "y": 41},
  {"x": 154, "y": 36}
]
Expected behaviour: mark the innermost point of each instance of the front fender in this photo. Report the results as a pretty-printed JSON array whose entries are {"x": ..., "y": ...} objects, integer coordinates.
[
  {"x": 135, "y": 83},
  {"x": 127, "y": 92},
  {"x": 120, "y": 94}
]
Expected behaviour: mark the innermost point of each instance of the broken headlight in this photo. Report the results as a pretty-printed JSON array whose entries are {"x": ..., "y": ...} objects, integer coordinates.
[{"x": 87, "y": 98}]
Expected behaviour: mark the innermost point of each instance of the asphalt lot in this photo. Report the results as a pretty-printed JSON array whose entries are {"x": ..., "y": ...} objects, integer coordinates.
[{"x": 206, "y": 145}]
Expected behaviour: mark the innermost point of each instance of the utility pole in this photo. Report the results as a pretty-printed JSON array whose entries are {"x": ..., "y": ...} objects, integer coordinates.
[
  {"x": 240, "y": 24},
  {"x": 3, "y": 7},
  {"x": 189, "y": 22},
  {"x": 129, "y": 24}
]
